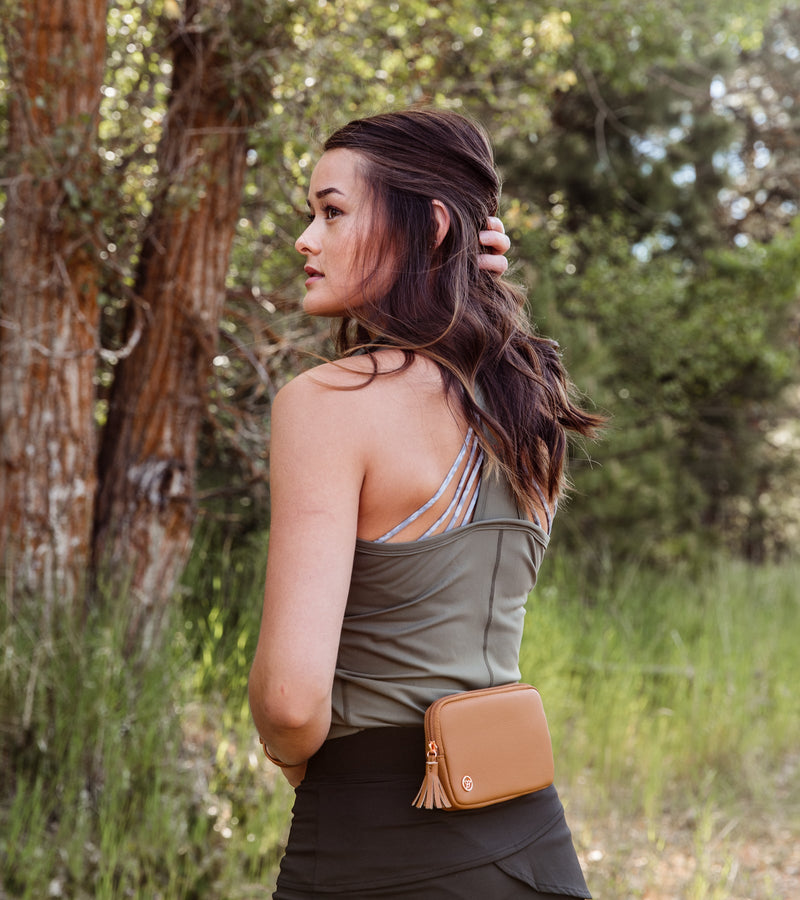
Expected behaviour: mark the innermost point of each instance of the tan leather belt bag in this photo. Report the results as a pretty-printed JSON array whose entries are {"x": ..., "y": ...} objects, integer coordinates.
[{"x": 485, "y": 747}]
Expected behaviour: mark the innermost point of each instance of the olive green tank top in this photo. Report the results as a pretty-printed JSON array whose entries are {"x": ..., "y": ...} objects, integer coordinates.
[{"x": 435, "y": 616}]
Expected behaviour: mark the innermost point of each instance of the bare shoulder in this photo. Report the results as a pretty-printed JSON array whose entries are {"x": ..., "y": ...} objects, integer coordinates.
[
  {"x": 359, "y": 385},
  {"x": 356, "y": 371}
]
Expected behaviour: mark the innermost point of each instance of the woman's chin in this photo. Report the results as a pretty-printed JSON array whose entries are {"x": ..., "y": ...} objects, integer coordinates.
[
  {"x": 327, "y": 307},
  {"x": 317, "y": 307}
]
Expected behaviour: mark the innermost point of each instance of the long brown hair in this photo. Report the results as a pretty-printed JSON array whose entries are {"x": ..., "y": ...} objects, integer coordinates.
[{"x": 510, "y": 382}]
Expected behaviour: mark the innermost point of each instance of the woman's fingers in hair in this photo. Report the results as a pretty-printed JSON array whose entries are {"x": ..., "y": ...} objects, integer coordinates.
[
  {"x": 495, "y": 224},
  {"x": 496, "y": 243}
]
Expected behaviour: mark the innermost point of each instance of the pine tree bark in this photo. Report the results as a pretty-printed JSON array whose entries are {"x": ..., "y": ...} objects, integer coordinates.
[
  {"x": 48, "y": 308},
  {"x": 145, "y": 505}
]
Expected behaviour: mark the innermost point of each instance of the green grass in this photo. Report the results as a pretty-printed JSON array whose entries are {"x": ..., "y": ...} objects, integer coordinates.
[
  {"x": 94, "y": 800},
  {"x": 664, "y": 694},
  {"x": 653, "y": 682},
  {"x": 675, "y": 721}
]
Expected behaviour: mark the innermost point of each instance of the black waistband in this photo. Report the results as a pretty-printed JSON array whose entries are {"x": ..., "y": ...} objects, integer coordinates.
[{"x": 374, "y": 751}]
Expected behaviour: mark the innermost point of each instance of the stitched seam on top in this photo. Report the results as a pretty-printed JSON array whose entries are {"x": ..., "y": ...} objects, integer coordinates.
[
  {"x": 404, "y": 548},
  {"x": 490, "y": 614}
]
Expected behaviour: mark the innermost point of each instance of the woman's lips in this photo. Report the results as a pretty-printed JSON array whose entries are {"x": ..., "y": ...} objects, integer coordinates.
[{"x": 313, "y": 275}]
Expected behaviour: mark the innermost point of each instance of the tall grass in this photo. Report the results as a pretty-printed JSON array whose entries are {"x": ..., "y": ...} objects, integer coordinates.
[
  {"x": 140, "y": 783},
  {"x": 138, "y": 780},
  {"x": 657, "y": 683},
  {"x": 93, "y": 802}
]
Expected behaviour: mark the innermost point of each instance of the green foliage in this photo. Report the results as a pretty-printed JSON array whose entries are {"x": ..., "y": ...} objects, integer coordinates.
[
  {"x": 658, "y": 682},
  {"x": 91, "y": 786},
  {"x": 690, "y": 362},
  {"x": 222, "y": 599},
  {"x": 115, "y": 781},
  {"x": 672, "y": 319}
]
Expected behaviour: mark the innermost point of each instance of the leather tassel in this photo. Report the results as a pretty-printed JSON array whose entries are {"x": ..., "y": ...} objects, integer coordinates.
[{"x": 431, "y": 793}]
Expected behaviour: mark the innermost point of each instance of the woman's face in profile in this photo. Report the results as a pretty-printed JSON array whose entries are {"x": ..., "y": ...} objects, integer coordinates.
[{"x": 336, "y": 241}]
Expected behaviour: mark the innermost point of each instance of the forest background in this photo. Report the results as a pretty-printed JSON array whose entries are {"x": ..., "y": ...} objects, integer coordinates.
[{"x": 155, "y": 157}]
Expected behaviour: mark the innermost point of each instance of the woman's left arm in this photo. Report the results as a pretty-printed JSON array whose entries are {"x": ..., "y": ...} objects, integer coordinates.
[{"x": 316, "y": 472}]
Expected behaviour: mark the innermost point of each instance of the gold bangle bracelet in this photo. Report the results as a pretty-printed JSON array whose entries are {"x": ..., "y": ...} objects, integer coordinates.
[{"x": 274, "y": 759}]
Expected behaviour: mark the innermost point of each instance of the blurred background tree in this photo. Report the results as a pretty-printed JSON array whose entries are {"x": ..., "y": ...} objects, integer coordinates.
[
  {"x": 677, "y": 313},
  {"x": 651, "y": 188}
]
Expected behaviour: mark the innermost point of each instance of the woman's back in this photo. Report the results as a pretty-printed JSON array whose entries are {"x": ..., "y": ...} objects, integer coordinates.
[{"x": 411, "y": 436}]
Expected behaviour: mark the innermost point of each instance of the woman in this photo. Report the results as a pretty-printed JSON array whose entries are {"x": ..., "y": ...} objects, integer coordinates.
[{"x": 413, "y": 485}]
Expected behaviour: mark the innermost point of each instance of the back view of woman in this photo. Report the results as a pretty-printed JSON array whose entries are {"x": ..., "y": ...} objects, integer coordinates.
[{"x": 413, "y": 486}]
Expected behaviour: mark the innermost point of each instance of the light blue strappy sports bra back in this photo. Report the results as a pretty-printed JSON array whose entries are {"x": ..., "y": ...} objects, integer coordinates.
[
  {"x": 462, "y": 504},
  {"x": 461, "y": 507}
]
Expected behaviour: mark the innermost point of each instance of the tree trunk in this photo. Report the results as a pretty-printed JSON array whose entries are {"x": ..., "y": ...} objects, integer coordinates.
[
  {"x": 48, "y": 309},
  {"x": 145, "y": 507}
]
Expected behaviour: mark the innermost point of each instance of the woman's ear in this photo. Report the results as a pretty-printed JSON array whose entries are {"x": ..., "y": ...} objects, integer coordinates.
[{"x": 442, "y": 217}]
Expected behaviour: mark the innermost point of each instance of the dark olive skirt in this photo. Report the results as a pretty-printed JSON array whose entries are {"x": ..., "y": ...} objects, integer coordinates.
[{"x": 355, "y": 832}]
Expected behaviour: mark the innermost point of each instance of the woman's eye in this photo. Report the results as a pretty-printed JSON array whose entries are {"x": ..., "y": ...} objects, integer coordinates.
[{"x": 327, "y": 212}]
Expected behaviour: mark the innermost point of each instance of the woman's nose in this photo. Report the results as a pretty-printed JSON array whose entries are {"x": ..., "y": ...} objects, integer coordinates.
[{"x": 305, "y": 243}]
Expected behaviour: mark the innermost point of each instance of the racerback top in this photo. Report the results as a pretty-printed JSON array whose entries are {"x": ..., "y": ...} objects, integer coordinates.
[{"x": 435, "y": 616}]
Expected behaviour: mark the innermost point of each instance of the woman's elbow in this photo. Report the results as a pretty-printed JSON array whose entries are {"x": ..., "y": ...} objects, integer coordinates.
[{"x": 277, "y": 707}]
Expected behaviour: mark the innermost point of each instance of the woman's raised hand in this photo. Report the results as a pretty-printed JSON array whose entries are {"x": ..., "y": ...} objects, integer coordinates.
[{"x": 497, "y": 244}]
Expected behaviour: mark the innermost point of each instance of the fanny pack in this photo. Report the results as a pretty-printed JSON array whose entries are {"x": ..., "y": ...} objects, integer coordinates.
[{"x": 484, "y": 747}]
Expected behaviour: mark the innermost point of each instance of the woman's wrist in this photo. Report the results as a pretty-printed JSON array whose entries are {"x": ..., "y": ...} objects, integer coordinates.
[{"x": 275, "y": 760}]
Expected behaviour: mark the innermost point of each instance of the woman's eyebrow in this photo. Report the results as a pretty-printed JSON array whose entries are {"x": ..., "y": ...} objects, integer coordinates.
[
  {"x": 324, "y": 193},
  {"x": 329, "y": 190}
]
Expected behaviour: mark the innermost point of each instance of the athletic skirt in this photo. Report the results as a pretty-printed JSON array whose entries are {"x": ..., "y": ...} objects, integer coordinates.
[{"x": 355, "y": 833}]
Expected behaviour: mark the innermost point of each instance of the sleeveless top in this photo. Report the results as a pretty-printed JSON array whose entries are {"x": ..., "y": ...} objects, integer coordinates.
[{"x": 435, "y": 616}]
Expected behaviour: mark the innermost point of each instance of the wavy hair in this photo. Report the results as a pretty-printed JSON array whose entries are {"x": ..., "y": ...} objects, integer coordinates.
[{"x": 509, "y": 381}]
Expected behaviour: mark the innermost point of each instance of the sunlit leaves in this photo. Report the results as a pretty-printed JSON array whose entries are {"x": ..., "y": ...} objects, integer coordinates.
[{"x": 135, "y": 93}]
